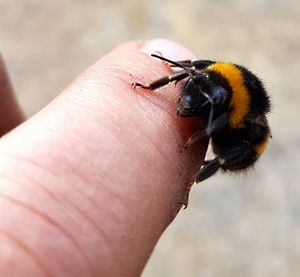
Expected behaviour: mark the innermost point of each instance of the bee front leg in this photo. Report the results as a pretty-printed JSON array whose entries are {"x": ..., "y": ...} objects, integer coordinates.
[
  {"x": 163, "y": 81},
  {"x": 216, "y": 126}
]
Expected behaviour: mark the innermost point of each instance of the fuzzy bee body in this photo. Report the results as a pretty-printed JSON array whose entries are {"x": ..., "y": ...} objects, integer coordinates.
[{"x": 235, "y": 103}]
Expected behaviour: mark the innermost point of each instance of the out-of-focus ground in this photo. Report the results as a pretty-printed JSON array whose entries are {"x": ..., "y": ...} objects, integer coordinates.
[{"x": 234, "y": 226}]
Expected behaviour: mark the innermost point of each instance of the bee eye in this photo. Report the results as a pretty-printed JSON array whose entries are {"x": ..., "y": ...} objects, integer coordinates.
[{"x": 218, "y": 96}]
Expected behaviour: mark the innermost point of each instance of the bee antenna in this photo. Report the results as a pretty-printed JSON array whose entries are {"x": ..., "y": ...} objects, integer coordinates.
[{"x": 171, "y": 62}]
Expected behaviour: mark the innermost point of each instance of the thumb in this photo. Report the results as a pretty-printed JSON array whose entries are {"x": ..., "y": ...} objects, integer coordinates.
[{"x": 98, "y": 172}]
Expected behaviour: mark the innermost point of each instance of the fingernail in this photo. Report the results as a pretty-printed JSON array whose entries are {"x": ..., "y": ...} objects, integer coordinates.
[{"x": 168, "y": 49}]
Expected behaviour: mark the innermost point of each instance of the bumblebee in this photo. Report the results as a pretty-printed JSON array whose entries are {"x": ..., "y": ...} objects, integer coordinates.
[{"x": 235, "y": 104}]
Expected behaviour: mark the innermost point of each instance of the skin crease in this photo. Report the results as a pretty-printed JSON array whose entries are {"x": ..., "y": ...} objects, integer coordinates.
[{"x": 90, "y": 182}]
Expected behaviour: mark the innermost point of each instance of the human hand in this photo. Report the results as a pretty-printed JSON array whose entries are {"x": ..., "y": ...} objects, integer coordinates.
[{"x": 90, "y": 182}]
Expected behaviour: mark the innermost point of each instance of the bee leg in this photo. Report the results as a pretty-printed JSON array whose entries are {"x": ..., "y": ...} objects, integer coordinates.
[
  {"x": 197, "y": 136},
  {"x": 183, "y": 63},
  {"x": 238, "y": 158},
  {"x": 235, "y": 159},
  {"x": 216, "y": 125},
  {"x": 208, "y": 169},
  {"x": 163, "y": 81},
  {"x": 199, "y": 64}
]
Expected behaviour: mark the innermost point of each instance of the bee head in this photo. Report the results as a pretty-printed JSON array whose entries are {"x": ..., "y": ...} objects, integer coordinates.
[{"x": 200, "y": 96}]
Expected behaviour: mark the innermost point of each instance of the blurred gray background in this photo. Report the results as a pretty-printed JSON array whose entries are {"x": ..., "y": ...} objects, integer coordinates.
[{"x": 234, "y": 225}]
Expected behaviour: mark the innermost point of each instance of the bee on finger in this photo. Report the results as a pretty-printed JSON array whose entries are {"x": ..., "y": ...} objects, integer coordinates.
[{"x": 235, "y": 104}]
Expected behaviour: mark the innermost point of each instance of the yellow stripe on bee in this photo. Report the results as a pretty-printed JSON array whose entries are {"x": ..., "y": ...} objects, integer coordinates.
[
  {"x": 240, "y": 100},
  {"x": 260, "y": 148}
]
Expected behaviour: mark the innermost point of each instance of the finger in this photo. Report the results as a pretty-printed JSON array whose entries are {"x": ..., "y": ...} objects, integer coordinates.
[
  {"x": 99, "y": 167},
  {"x": 10, "y": 113}
]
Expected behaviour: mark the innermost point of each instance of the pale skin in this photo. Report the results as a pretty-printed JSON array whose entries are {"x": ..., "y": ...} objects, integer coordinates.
[{"x": 89, "y": 184}]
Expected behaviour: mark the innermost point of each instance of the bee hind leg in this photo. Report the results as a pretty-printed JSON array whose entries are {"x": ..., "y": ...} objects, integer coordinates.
[
  {"x": 238, "y": 158},
  {"x": 208, "y": 169}
]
